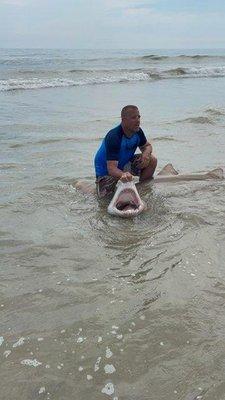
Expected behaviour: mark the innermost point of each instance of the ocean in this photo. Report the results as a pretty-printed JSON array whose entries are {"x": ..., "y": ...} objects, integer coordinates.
[{"x": 93, "y": 306}]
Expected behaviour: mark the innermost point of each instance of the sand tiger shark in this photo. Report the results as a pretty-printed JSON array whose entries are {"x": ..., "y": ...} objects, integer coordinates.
[{"x": 126, "y": 201}]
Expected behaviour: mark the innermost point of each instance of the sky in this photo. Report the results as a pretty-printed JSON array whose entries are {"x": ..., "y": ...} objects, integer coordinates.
[{"x": 112, "y": 24}]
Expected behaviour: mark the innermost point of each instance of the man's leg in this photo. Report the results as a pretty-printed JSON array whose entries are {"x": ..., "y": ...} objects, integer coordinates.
[
  {"x": 143, "y": 173},
  {"x": 105, "y": 186},
  {"x": 147, "y": 173}
]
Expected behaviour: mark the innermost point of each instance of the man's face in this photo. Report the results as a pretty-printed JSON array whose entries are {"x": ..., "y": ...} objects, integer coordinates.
[{"x": 132, "y": 120}]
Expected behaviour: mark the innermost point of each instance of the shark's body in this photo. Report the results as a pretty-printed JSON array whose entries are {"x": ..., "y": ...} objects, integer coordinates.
[
  {"x": 169, "y": 174},
  {"x": 126, "y": 201}
]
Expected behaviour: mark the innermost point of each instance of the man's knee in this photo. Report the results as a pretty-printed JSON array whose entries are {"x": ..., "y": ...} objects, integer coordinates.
[{"x": 153, "y": 161}]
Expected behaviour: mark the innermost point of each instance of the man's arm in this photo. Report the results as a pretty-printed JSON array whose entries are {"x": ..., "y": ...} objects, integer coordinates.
[
  {"x": 146, "y": 149},
  {"x": 114, "y": 171},
  {"x": 113, "y": 143}
]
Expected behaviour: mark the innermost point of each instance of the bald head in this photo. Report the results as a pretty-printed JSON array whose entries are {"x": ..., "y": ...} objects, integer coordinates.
[
  {"x": 127, "y": 110},
  {"x": 130, "y": 119}
]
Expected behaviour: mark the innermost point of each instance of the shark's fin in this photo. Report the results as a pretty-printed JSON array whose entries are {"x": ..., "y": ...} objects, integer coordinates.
[
  {"x": 216, "y": 173},
  {"x": 168, "y": 170}
]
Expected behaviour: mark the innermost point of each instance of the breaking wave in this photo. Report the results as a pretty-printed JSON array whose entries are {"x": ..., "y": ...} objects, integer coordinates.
[
  {"x": 215, "y": 111},
  {"x": 37, "y": 83},
  {"x": 79, "y": 77},
  {"x": 195, "y": 57},
  {"x": 154, "y": 57}
]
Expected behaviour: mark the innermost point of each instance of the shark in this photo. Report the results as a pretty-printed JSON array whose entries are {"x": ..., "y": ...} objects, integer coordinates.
[{"x": 126, "y": 201}]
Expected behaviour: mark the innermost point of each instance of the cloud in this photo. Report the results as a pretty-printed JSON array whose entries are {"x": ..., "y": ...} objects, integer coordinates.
[
  {"x": 125, "y": 4},
  {"x": 111, "y": 23}
]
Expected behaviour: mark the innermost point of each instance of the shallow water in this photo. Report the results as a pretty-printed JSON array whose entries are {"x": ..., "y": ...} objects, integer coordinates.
[{"x": 96, "y": 307}]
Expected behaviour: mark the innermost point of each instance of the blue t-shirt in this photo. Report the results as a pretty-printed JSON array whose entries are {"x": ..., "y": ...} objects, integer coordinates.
[{"x": 117, "y": 146}]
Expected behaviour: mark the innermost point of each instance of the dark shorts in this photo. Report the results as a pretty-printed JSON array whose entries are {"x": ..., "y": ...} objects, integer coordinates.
[{"x": 106, "y": 185}]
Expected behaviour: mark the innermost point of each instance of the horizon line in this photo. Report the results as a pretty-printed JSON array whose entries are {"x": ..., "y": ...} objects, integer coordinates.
[{"x": 108, "y": 49}]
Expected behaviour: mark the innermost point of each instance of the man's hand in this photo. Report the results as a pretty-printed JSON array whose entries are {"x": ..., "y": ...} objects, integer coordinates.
[{"x": 126, "y": 177}]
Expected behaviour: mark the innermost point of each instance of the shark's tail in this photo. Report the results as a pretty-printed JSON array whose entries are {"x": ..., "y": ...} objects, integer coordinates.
[
  {"x": 86, "y": 187},
  {"x": 168, "y": 170}
]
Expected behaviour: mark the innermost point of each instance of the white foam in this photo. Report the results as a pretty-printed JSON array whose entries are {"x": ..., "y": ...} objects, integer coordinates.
[
  {"x": 205, "y": 71},
  {"x": 37, "y": 83},
  {"x": 1, "y": 340},
  {"x": 108, "y": 389},
  {"x": 108, "y": 353},
  {"x": 96, "y": 367},
  {"x": 7, "y": 353},
  {"x": 42, "y": 390},
  {"x": 89, "y": 377},
  {"x": 20, "y": 342},
  {"x": 80, "y": 339},
  {"x": 31, "y": 363},
  {"x": 109, "y": 368}
]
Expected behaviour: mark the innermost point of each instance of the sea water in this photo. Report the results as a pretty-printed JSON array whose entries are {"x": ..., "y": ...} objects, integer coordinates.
[{"x": 92, "y": 306}]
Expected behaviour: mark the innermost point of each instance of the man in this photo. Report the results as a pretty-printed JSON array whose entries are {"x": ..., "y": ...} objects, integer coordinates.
[{"x": 116, "y": 159}]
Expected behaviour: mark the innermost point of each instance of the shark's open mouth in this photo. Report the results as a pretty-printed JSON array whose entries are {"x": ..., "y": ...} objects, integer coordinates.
[{"x": 127, "y": 200}]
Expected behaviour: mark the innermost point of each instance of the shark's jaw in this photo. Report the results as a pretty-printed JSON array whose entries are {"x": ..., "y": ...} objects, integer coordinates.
[{"x": 126, "y": 201}]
